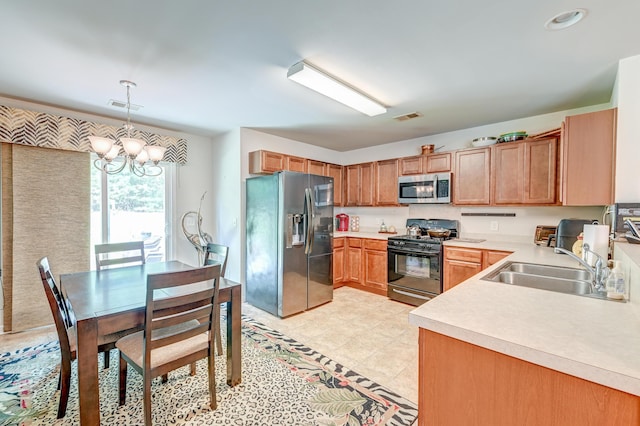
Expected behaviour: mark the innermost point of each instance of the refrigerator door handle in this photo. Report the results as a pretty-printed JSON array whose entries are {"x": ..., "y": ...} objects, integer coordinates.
[{"x": 309, "y": 237}]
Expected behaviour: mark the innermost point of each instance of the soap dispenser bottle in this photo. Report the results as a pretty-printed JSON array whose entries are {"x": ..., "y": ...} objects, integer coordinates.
[{"x": 616, "y": 287}]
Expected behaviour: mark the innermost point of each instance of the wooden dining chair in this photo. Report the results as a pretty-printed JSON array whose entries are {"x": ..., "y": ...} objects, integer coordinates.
[
  {"x": 217, "y": 254},
  {"x": 128, "y": 253},
  {"x": 177, "y": 331},
  {"x": 65, "y": 326}
]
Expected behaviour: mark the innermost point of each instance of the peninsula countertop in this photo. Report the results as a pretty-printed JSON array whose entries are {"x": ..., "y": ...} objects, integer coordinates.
[{"x": 593, "y": 339}]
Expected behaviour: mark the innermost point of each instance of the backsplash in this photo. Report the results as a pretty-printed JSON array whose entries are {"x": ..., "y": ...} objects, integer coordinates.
[{"x": 522, "y": 225}]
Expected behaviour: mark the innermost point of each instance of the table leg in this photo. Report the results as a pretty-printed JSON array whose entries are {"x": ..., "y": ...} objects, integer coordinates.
[
  {"x": 87, "y": 359},
  {"x": 234, "y": 337}
]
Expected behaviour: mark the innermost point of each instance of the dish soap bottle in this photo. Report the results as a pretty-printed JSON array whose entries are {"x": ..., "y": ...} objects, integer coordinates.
[
  {"x": 383, "y": 227},
  {"x": 616, "y": 287}
]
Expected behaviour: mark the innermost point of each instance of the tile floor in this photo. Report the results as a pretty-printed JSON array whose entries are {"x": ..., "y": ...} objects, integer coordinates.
[{"x": 367, "y": 333}]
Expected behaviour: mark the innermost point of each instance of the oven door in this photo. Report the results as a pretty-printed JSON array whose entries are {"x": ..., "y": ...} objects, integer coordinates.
[{"x": 419, "y": 272}]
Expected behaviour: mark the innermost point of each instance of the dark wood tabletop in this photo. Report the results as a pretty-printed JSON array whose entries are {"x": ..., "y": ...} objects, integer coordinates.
[{"x": 113, "y": 300}]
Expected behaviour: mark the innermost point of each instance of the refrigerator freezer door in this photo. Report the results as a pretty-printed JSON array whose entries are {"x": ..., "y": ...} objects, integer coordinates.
[{"x": 262, "y": 254}]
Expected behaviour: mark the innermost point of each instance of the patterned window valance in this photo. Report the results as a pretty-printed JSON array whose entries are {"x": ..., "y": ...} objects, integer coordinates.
[{"x": 51, "y": 131}]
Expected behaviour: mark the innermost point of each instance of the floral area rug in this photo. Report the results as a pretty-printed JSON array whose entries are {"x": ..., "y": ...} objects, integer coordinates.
[{"x": 283, "y": 383}]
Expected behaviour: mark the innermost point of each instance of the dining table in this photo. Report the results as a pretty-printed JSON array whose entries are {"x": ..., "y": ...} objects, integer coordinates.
[{"x": 113, "y": 300}]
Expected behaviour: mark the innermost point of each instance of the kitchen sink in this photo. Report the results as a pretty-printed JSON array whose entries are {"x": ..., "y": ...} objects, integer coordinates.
[
  {"x": 548, "y": 271},
  {"x": 542, "y": 282},
  {"x": 546, "y": 277}
]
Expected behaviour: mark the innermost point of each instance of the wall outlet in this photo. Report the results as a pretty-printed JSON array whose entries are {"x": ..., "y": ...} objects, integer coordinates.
[{"x": 494, "y": 225}]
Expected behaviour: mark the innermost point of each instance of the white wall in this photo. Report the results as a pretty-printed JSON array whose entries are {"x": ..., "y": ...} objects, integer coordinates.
[
  {"x": 521, "y": 227},
  {"x": 228, "y": 209},
  {"x": 192, "y": 180},
  {"x": 627, "y": 96},
  {"x": 462, "y": 138}
]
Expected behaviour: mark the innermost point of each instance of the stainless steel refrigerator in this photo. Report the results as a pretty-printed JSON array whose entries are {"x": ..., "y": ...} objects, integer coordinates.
[{"x": 289, "y": 242}]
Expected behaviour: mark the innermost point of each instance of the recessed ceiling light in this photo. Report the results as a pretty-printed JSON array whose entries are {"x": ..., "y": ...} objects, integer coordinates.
[{"x": 565, "y": 19}]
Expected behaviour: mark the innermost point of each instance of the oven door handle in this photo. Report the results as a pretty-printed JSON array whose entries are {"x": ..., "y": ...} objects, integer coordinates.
[
  {"x": 406, "y": 293},
  {"x": 414, "y": 253}
]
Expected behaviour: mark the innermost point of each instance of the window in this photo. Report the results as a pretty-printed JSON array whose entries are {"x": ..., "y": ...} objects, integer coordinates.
[{"x": 125, "y": 207}]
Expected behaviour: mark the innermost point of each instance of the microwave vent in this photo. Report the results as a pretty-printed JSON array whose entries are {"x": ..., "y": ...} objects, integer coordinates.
[{"x": 408, "y": 116}]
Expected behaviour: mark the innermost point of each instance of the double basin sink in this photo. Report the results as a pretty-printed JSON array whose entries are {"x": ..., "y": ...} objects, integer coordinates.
[{"x": 546, "y": 277}]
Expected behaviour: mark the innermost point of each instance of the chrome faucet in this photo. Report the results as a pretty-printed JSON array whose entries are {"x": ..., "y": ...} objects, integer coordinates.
[{"x": 599, "y": 272}]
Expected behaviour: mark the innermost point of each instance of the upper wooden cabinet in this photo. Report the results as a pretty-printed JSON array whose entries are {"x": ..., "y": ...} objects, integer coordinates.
[
  {"x": 359, "y": 184},
  {"x": 336, "y": 172},
  {"x": 588, "y": 158},
  {"x": 524, "y": 172},
  {"x": 410, "y": 165},
  {"x": 317, "y": 168},
  {"x": 419, "y": 164},
  {"x": 386, "y": 183},
  {"x": 296, "y": 164},
  {"x": 471, "y": 179},
  {"x": 437, "y": 163},
  {"x": 266, "y": 162}
]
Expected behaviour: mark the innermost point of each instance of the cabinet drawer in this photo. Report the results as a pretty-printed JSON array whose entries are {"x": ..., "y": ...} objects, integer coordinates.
[
  {"x": 375, "y": 245},
  {"x": 494, "y": 256},
  {"x": 354, "y": 242},
  {"x": 466, "y": 255}
]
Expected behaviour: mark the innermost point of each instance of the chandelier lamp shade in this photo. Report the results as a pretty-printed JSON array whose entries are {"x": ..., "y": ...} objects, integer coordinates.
[
  {"x": 325, "y": 84},
  {"x": 142, "y": 159}
]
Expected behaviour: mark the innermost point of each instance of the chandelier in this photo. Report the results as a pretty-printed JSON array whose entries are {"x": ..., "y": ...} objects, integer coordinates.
[{"x": 141, "y": 158}]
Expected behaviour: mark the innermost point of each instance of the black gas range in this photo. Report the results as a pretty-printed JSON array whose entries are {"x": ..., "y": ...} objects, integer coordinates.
[{"x": 415, "y": 261}]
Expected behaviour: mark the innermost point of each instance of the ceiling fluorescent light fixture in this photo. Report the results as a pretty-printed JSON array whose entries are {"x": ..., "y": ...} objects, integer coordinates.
[{"x": 331, "y": 87}]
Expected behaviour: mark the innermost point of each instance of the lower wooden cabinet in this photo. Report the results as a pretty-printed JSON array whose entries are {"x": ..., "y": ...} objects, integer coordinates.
[
  {"x": 338, "y": 262},
  {"x": 353, "y": 264},
  {"x": 464, "y": 384},
  {"x": 375, "y": 264},
  {"x": 493, "y": 256},
  {"x": 365, "y": 264},
  {"x": 461, "y": 263}
]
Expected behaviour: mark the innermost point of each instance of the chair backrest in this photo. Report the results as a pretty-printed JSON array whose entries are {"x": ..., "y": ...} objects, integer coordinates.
[
  {"x": 216, "y": 253},
  {"x": 170, "y": 314},
  {"x": 62, "y": 314},
  {"x": 128, "y": 253}
]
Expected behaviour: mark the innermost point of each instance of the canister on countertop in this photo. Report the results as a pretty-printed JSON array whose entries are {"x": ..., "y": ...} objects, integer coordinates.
[
  {"x": 355, "y": 223},
  {"x": 597, "y": 236}
]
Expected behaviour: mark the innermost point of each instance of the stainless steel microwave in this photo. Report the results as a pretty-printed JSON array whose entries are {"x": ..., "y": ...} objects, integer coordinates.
[{"x": 423, "y": 189}]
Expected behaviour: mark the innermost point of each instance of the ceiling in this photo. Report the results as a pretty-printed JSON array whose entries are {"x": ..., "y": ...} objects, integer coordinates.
[{"x": 205, "y": 67}]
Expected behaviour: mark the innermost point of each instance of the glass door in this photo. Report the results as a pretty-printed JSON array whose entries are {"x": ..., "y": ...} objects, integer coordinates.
[{"x": 125, "y": 207}]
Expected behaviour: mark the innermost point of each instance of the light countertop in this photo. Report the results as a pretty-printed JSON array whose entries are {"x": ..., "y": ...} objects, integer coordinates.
[
  {"x": 362, "y": 234},
  {"x": 593, "y": 339}
]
